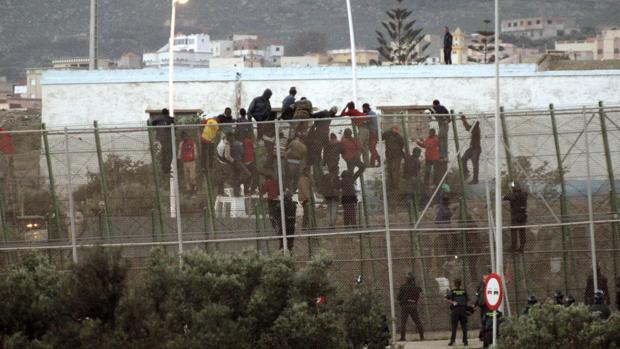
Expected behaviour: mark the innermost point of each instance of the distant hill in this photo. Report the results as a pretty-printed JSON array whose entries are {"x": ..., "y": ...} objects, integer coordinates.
[{"x": 34, "y": 31}]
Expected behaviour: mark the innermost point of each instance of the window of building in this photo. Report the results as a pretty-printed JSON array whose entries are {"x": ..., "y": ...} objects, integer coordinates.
[
  {"x": 538, "y": 21},
  {"x": 549, "y": 21},
  {"x": 529, "y": 22},
  {"x": 514, "y": 24},
  {"x": 617, "y": 50},
  {"x": 600, "y": 51},
  {"x": 277, "y": 49},
  {"x": 509, "y": 25}
]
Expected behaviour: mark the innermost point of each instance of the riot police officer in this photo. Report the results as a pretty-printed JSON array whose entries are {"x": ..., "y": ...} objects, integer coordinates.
[
  {"x": 599, "y": 308},
  {"x": 458, "y": 299},
  {"x": 481, "y": 303},
  {"x": 558, "y": 298},
  {"x": 408, "y": 297},
  {"x": 569, "y": 300},
  {"x": 487, "y": 327},
  {"x": 531, "y": 302}
]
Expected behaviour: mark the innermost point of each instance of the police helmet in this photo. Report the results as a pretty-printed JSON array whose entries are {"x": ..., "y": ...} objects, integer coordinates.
[
  {"x": 598, "y": 296},
  {"x": 531, "y": 300}
]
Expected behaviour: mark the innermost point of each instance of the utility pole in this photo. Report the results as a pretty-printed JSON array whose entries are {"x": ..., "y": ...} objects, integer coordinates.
[{"x": 94, "y": 35}]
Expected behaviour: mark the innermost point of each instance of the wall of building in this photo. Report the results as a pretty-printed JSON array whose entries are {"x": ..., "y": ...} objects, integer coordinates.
[{"x": 123, "y": 96}]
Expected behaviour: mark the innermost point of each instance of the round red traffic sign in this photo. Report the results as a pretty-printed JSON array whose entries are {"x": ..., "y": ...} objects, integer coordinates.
[{"x": 493, "y": 291}]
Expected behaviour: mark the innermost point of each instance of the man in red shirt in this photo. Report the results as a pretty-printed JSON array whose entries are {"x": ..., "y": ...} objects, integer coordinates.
[
  {"x": 188, "y": 154},
  {"x": 271, "y": 187},
  {"x": 361, "y": 124},
  {"x": 249, "y": 161},
  {"x": 351, "y": 150},
  {"x": 431, "y": 144}
]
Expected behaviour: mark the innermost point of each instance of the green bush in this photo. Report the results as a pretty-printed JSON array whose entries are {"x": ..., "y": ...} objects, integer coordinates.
[
  {"x": 552, "y": 326},
  {"x": 211, "y": 301}
]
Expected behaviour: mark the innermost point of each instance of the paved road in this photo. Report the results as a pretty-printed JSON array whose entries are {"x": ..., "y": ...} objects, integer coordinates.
[
  {"x": 437, "y": 340},
  {"x": 437, "y": 344}
]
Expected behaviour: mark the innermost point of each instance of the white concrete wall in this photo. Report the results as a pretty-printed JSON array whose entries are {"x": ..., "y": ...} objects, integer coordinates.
[{"x": 72, "y": 98}]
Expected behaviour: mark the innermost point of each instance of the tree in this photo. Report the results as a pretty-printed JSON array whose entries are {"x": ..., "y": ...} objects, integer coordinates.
[
  {"x": 484, "y": 46},
  {"x": 307, "y": 42},
  {"x": 402, "y": 44}
]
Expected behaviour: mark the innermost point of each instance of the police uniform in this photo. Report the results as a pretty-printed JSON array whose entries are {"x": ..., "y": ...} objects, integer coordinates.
[
  {"x": 458, "y": 312},
  {"x": 487, "y": 327},
  {"x": 408, "y": 296},
  {"x": 482, "y": 305},
  {"x": 601, "y": 311}
]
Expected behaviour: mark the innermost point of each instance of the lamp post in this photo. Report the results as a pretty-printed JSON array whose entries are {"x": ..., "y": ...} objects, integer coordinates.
[
  {"x": 353, "y": 52},
  {"x": 171, "y": 55},
  {"x": 499, "y": 262},
  {"x": 93, "y": 36},
  {"x": 174, "y": 179}
]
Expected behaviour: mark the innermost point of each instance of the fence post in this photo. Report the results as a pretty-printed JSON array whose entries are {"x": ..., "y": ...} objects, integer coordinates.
[
  {"x": 71, "y": 202},
  {"x": 50, "y": 173},
  {"x": 156, "y": 178},
  {"x": 177, "y": 196},
  {"x": 280, "y": 185},
  {"x": 153, "y": 224},
  {"x": 613, "y": 196},
  {"x": 3, "y": 225},
  {"x": 566, "y": 235},
  {"x": 103, "y": 182},
  {"x": 463, "y": 210},
  {"x": 388, "y": 239},
  {"x": 507, "y": 150},
  {"x": 411, "y": 207},
  {"x": 589, "y": 190}
]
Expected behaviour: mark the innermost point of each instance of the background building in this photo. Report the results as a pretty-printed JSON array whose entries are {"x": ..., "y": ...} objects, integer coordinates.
[
  {"x": 342, "y": 57},
  {"x": 189, "y": 50},
  {"x": 537, "y": 28},
  {"x": 602, "y": 47}
]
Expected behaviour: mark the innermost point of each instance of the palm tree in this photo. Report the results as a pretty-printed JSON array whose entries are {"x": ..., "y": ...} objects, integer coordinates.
[{"x": 401, "y": 45}]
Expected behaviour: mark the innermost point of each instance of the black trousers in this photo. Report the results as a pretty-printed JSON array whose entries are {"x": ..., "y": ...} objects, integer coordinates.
[
  {"x": 473, "y": 155},
  {"x": 407, "y": 311},
  {"x": 518, "y": 234},
  {"x": 447, "y": 55},
  {"x": 458, "y": 315}
]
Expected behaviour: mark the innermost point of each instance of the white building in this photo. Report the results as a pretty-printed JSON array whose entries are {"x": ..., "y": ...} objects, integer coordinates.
[
  {"x": 604, "y": 46},
  {"x": 537, "y": 28},
  {"x": 223, "y": 48},
  {"x": 190, "y": 51}
]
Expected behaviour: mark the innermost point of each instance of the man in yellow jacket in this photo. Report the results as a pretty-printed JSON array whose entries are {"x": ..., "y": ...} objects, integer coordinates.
[{"x": 208, "y": 140}]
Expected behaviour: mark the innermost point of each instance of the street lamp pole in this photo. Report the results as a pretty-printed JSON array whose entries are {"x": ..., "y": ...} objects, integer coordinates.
[
  {"x": 499, "y": 263},
  {"x": 353, "y": 52},
  {"x": 93, "y": 36}
]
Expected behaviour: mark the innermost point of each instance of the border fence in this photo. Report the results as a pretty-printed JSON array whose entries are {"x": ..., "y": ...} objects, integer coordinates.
[{"x": 363, "y": 196}]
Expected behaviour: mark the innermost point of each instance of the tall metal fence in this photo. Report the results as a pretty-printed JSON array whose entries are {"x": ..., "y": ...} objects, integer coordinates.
[{"x": 360, "y": 192}]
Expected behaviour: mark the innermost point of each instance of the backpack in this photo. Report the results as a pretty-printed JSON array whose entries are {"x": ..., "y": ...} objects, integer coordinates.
[
  {"x": 303, "y": 109},
  {"x": 209, "y": 132}
]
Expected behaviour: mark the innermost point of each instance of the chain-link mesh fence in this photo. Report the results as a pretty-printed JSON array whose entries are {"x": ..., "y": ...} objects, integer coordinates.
[{"x": 425, "y": 181}]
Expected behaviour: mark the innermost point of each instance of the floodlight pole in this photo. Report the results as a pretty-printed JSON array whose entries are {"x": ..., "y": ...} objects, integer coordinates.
[
  {"x": 93, "y": 46},
  {"x": 590, "y": 210},
  {"x": 353, "y": 52},
  {"x": 171, "y": 59},
  {"x": 499, "y": 263}
]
